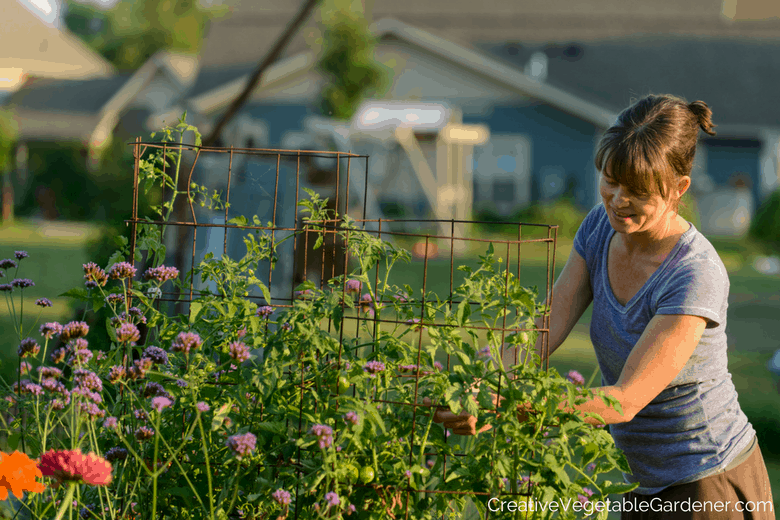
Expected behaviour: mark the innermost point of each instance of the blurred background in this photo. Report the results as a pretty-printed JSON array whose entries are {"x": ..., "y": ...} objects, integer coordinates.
[{"x": 487, "y": 111}]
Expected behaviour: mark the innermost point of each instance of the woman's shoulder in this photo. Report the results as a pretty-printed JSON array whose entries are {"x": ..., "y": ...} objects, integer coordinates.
[{"x": 697, "y": 252}]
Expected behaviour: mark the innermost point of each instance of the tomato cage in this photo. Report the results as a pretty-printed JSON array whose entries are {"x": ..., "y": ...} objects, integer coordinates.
[{"x": 316, "y": 255}]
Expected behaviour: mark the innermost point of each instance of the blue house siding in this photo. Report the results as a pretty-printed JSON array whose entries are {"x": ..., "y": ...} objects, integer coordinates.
[
  {"x": 557, "y": 139},
  {"x": 725, "y": 157}
]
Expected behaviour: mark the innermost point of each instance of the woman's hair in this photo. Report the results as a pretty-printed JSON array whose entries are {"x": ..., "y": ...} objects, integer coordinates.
[{"x": 652, "y": 143}]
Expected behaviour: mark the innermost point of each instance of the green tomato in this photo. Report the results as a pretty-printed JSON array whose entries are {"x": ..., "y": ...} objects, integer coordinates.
[
  {"x": 343, "y": 385},
  {"x": 353, "y": 474},
  {"x": 366, "y": 474}
]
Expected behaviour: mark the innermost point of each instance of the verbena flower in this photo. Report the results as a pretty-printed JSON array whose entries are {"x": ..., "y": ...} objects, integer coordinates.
[
  {"x": 351, "y": 417},
  {"x": 92, "y": 410},
  {"x": 351, "y": 509},
  {"x": 20, "y": 254},
  {"x": 116, "y": 373},
  {"x": 282, "y": 497},
  {"x": 324, "y": 434},
  {"x": 28, "y": 347},
  {"x": 575, "y": 377},
  {"x": 22, "y": 283},
  {"x": 152, "y": 389},
  {"x": 141, "y": 415},
  {"x": 367, "y": 304},
  {"x": 115, "y": 298},
  {"x": 111, "y": 423},
  {"x": 160, "y": 403},
  {"x": 58, "y": 356},
  {"x": 127, "y": 332},
  {"x": 88, "y": 379},
  {"x": 116, "y": 453},
  {"x": 264, "y": 311},
  {"x": 74, "y": 466},
  {"x": 80, "y": 357},
  {"x": 43, "y": 302},
  {"x": 332, "y": 498},
  {"x": 144, "y": 433},
  {"x": 185, "y": 342},
  {"x": 373, "y": 368},
  {"x": 87, "y": 394},
  {"x": 74, "y": 329},
  {"x": 6, "y": 287},
  {"x": 156, "y": 354},
  {"x": 181, "y": 383},
  {"x": 161, "y": 274},
  {"x": 121, "y": 270},
  {"x": 17, "y": 475},
  {"x": 438, "y": 366},
  {"x": 239, "y": 352},
  {"x": 8, "y": 264},
  {"x": 353, "y": 286},
  {"x": 49, "y": 372},
  {"x": 50, "y": 329},
  {"x": 93, "y": 273},
  {"x": 242, "y": 445},
  {"x": 202, "y": 407}
]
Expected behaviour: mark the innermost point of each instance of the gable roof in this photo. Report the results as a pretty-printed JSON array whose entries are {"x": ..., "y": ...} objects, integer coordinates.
[
  {"x": 737, "y": 78},
  {"x": 208, "y": 102}
]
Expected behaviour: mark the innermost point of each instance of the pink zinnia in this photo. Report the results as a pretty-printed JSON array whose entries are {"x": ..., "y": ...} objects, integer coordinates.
[{"x": 72, "y": 465}]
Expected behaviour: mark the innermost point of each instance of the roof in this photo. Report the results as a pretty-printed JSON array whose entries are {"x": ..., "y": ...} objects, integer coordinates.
[
  {"x": 247, "y": 35},
  {"x": 85, "y": 96},
  {"x": 737, "y": 78},
  {"x": 492, "y": 69},
  {"x": 30, "y": 45}
]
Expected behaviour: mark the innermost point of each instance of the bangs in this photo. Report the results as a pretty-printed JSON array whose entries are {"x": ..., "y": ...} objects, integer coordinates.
[{"x": 640, "y": 168}]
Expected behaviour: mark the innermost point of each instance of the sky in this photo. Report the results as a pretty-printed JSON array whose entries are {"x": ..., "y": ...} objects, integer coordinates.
[{"x": 49, "y": 10}]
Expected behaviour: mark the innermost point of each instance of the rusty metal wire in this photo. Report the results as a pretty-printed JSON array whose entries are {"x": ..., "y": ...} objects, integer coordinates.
[{"x": 296, "y": 168}]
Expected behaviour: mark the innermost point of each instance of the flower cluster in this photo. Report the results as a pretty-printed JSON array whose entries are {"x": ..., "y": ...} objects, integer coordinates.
[
  {"x": 324, "y": 435},
  {"x": 22, "y": 283},
  {"x": 43, "y": 302},
  {"x": 161, "y": 274},
  {"x": 94, "y": 275},
  {"x": 575, "y": 377},
  {"x": 72, "y": 465},
  {"x": 351, "y": 417},
  {"x": 374, "y": 367},
  {"x": 242, "y": 445},
  {"x": 367, "y": 305},
  {"x": 264, "y": 311},
  {"x": 159, "y": 403},
  {"x": 185, "y": 342},
  {"x": 156, "y": 354},
  {"x": 73, "y": 330},
  {"x": 282, "y": 497},
  {"x": 28, "y": 348},
  {"x": 8, "y": 264},
  {"x": 127, "y": 332},
  {"x": 238, "y": 352},
  {"x": 353, "y": 286},
  {"x": 121, "y": 270}
]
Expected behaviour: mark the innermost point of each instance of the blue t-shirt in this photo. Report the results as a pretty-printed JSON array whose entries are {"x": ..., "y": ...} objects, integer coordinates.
[{"x": 694, "y": 427}]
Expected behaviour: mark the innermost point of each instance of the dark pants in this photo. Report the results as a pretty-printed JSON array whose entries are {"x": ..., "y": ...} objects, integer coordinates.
[{"x": 744, "y": 487}]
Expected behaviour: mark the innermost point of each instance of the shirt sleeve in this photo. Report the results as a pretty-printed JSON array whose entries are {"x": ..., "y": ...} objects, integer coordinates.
[
  {"x": 699, "y": 287},
  {"x": 585, "y": 231}
]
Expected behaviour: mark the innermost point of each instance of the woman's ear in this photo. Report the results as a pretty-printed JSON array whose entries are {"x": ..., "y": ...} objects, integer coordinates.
[{"x": 682, "y": 185}]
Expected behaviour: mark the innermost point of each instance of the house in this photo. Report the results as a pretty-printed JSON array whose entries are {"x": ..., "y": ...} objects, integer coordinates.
[{"x": 740, "y": 166}]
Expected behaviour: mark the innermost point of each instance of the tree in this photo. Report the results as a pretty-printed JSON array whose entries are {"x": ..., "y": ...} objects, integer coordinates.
[
  {"x": 8, "y": 136},
  {"x": 131, "y": 32},
  {"x": 348, "y": 60}
]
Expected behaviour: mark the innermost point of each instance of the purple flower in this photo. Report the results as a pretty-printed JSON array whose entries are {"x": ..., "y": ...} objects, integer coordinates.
[
  {"x": 6, "y": 287},
  {"x": 485, "y": 354},
  {"x": 20, "y": 254},
  {"x": 282, "y": 497},
  {"x": 7, "y": 264},
  {"x": 144, "y": 433},
  {"x": 185, "y": 342},
  {"x": 23, "y": 283},
  {"x": 367, "y": 304},
  {"x": 116, "y": 453},
  {"x": 50, "y": 372},
  {"x": 429, "y": 463},
  {"x": 156, "y": 354},
  {"x": 373, "y": 368},
  {"x": 121, "y": 270},
  {"x": 114, "y": 298},
  {"x": 160, "y": 403},
  {"x": 332, "y": 498},
  {"x": 50, "y": 329},
  {"x": 80, "y": 357},
  {"x": 141, "y": 415},
  {"x": 153, "y": 389},
  {"x": 438, "y": 366},
  {"x": 591, "y": 467},
  {"x": 242, "y": 445},
  {"x": 88, "y": 379},
  {"x": 110, "y": 423},
  {"x": 575, "y": 377},
  {"x": 286, "y": 327},
  {"x": 264, "y": 311},
  {"x": 92, "y": 410},
  {"x": 28, "y": 347},
  {"x": 351, "y": 509},
  {"x": 324, "y": 434},
  {"x": 181, "y": 383},
  {"x": 408, "y": 473},
  {"x": 43, "y": 302},
  {"x": 415, "y": 323},
  {"x": 94, "y": 274},
  {"x": 351, "y": 417},
  {"x": 58, "y": 356},
  {"x": 161, "y": 274},
  {"x": 202, "y": 407},
  {"x": 239, "y": 352},
  {"x": 74, "y": 329},
  {"x": 25, "y": 367},
  {"x": 127, "y": 332},
  {"x": 116, "y": 373},
  {"x": 354, "y": 286}
]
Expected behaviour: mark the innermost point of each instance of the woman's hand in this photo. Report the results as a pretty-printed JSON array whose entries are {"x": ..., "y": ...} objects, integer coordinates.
[{"x": 466, "y": 424}]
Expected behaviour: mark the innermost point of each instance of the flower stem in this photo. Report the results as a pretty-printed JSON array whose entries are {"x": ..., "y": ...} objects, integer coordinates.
[{"x": 66, "y": 502}]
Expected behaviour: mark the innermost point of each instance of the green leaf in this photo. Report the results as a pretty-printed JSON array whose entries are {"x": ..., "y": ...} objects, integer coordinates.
[
  {"x": 13, "y": 441},
  {"x": 266, "y": 292},
  {"x": 337, "y": 315},
  {"x": 111, "y": 331},
  {"x": 220, "y": 415},
  {"x": 464, "y": 311},
  {"x": 618, "y": 487},
  {"x": 78, "y": 293},
  {"x": 195, "y": 308},
  {"x": 238, "y": 221},
  {"x": 555, "y": 466}
]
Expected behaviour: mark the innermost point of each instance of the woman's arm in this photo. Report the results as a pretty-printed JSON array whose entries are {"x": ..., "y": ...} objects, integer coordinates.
[
  {"x": 571, "y": 296},
  {"x": 662, "y": 351}
]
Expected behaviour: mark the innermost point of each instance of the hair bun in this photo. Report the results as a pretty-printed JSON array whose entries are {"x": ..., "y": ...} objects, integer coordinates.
[{"x": 703, "y": 115}]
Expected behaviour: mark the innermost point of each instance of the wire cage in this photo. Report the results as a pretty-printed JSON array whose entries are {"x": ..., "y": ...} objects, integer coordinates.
[{"x": 269, "y": 183}]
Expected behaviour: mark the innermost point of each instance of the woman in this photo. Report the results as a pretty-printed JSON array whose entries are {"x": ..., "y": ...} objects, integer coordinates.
[{"x": 659, "y": 292}]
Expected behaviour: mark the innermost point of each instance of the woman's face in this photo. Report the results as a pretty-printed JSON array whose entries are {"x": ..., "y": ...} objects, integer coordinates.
[{"x": 631, "y": 213}]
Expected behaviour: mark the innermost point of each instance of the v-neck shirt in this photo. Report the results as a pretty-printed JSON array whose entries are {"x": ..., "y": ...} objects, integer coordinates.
[{"x": 695, "y": 426}]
